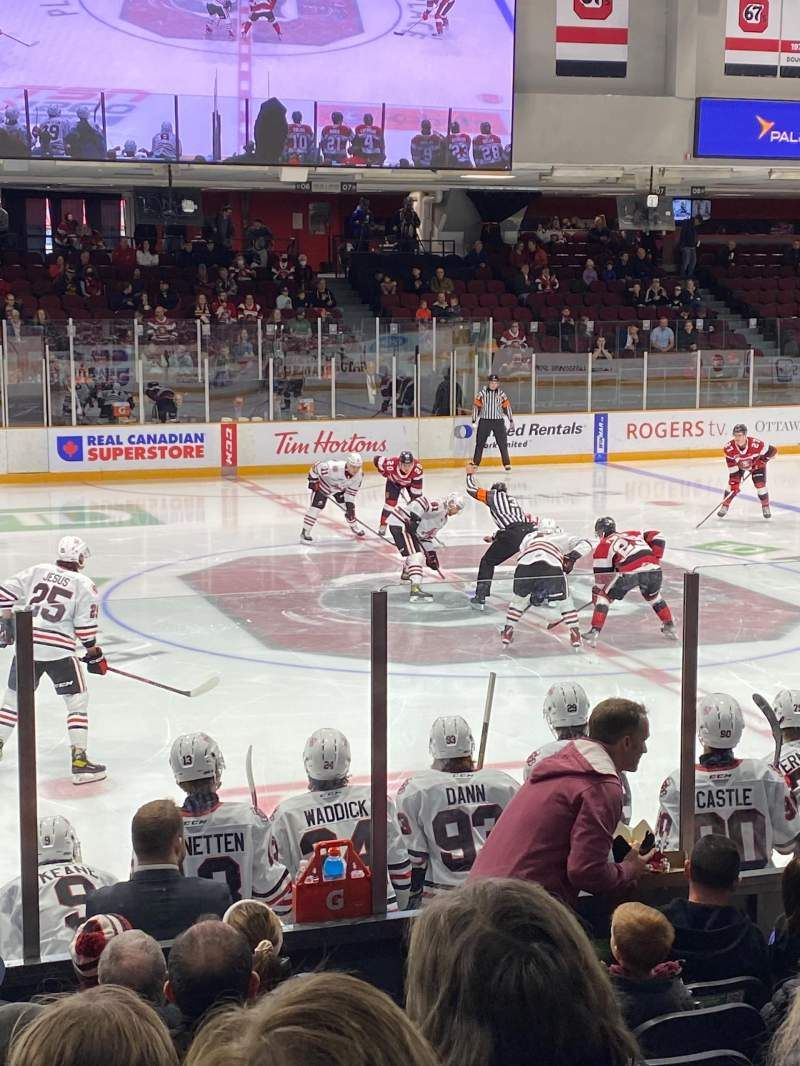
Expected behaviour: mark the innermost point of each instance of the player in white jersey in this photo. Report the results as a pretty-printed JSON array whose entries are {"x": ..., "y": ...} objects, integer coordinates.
[
  {"x": 332, "y": 809},
  {"x": 414, "y": 527},
  {"x": 51, "y": 134},
  {"x": 787, "y": 711},
  {"x": 65, "y": 609},
  {"x": 447, "y": 812},
  {"x": 64, "y": 883},
  {"x": 546, "y": 556},
  {"x": 340, "y": 479},
  {"x": 225, "y": 841},
  {"x": 744, "y": 799},
  {"x": 566, "y": 711},
  {"x": 166, "y": 144},
  {"x": 220, "y": 12}
]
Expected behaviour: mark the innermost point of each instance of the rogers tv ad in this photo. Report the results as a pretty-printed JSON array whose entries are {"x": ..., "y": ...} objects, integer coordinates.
[{"x": 335, "y": 83}]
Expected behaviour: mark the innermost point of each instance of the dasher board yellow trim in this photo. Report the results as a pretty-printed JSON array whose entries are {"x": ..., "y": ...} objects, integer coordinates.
[
  {"x": 67, "y": 477},
  {"x": 688, "y": 453}
]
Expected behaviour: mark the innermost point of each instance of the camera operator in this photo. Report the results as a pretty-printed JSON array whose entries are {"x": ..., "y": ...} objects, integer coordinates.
[
  {"x": 361, "y": 224},
  {"x": 408, "y": 223}
]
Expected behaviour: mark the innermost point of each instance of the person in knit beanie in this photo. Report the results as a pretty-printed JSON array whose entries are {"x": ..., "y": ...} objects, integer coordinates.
[{"x": 89, "y": 943}]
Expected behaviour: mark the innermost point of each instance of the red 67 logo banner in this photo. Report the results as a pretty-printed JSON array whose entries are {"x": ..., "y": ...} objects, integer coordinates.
[
  {"x": 593, "y": 9},
  {"x": 753, "y": 17}
]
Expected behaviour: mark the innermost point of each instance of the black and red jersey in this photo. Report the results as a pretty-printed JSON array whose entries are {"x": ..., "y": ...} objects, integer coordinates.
[
  {"x": 487, "y": 150},
  {"x": 743, "y": 458},
  {"x": 629, "y": 552},
  {"x": 334, "y": 141},
  {"x": 390, "y": 468}
]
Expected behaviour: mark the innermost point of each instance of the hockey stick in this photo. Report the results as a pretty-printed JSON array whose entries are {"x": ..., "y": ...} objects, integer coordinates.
[
  {"x": 487, "y": 717},
  {"x": 552, "y": 625},
  {"x": 402, "y": 33},
  {"x": 200, "y": 690},
  {"x": 16, "y": 40},
  {"x": 774, "y": 725},
  {"x": 251, "y": 781},
  {"x": 725, "y": 500}
]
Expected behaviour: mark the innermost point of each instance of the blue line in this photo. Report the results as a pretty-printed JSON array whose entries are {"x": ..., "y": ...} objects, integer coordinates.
[
  {"x": 506, "y": 13},
  {"x": 695, "y": 485}
]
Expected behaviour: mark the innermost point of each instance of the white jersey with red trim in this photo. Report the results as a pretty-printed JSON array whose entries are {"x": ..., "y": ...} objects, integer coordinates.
[
  {"x": 432, "y": 515},
  {"x": 63, "y": 888},
  {"x": 333, "y": 477},
  {"x": 65, "y": 608},
  {"x": 445, "y": 819},
  {"x": 743, "y": 458},
  {"x": 629, "y": 552},
  {"x": 299, "y": 822},
  {"x": 550, "y": 549},
  {"x": 411, "y": 480},
  {"x": 745, "y": 800},
  {"x": 230, "y": 843},
  {"x": 789, "y": 765}
]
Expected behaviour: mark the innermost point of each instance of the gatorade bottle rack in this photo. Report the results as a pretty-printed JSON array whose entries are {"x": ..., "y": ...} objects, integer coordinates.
[{"x": 350, "y": 896}]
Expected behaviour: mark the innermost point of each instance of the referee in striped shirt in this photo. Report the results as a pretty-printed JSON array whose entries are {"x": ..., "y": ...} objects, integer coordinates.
[
  {"x": 513, "y": 525},
  {"x": 490, "y": 410}
]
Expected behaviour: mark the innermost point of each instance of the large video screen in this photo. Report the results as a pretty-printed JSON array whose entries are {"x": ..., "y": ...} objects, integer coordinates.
[
  {"x": 747, "y": 129},
  {"x": 339, "y": 83}
]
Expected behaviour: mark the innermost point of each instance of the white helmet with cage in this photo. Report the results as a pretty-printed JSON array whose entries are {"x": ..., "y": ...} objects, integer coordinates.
[
  {"x": 58, "y": 841},
  {"x": 326, "y": 755},
  {"x": 546, "y": 527},
  {"x": 451, "y": 738},
  {"x": 354, "y": 459},
  {"x": 455, "y": 500},
  {"x": 196, "y": 757},
  {"x": 787, "y": 708},
  {"x": 720, "y": 721},
  {"x": 72, "y": 550},
  {"x": 565, "y": 705}
]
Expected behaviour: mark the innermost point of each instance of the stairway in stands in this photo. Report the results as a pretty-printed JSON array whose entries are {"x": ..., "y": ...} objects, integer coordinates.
[
  {"x": 737, "y": 324},
  {"x": 354, "y": 312}
]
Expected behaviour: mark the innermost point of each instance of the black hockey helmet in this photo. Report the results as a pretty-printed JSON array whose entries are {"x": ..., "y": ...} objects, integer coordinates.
[
  {"x": 740, "y": 427},
  {"x": 493, "y": 377},
  {"x": 499, "y": 486},
  {"x": 297, "y": 116},
  {"x": 406, "y": 457},
  {"x": 604, "y": 526}
]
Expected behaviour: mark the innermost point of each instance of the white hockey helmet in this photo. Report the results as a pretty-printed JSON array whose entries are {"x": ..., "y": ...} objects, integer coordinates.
[
  {"x": 354, "y": 459},
  {"x": 787, "y": 708},
  {"x": 58, "y": 841},
  {"x": 565, "y": 705},
  {"x": 195, "y": 757},
  {"x": 326, "y": 755},
  {"x": 72, "y": 550},
  {"x": 451, "y": 738},
  {"x": 545, "y": 527},
  {"x": 54, "y": 110},
  {"x": 720, "y": 722},
  {"x": 454, "y": 499},
  {"x": 82, "y": 111},
  {"x": 166, "y": 127},
  {"x": 12, "y": 114}
]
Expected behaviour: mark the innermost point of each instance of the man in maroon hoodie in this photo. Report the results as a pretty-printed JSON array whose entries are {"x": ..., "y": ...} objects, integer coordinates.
[{"x": 558, "y": 829}]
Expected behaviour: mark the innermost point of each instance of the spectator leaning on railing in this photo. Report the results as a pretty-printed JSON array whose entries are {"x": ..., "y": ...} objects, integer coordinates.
[{"x": 662, "y": 338}]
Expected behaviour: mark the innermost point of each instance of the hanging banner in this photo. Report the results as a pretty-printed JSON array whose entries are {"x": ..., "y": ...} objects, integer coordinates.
[
  {"x": 753, "y": 37},
  {"x": 790, "y": 41},
  {"x": 592, "y": 38}
]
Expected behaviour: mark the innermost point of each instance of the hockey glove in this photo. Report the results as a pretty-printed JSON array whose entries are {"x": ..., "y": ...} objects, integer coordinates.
[
  {"x": 598, "y": 593},
  {"x": 6, "y": 632},
  {"x": 350, "y": 511},
  {"x": 734, "y": 484},
  {"x": 431, "y": 560},
  {"x": 313, "y": 485},
  {"x": 489, "y": 539},
  {"x": 339, "y": 497},
  {"x": 759, "y": 465},
  {"x": 95, "y": 661},
  {"x": 569, "y": 562}
]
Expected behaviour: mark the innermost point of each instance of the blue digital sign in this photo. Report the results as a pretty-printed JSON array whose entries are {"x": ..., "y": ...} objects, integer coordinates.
[{"x": 747, "y": 129}]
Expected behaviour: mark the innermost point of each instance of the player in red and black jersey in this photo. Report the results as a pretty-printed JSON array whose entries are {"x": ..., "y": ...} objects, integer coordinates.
[
  {"x": 487, "y": 149},
  {"x": 368, "y": 143},
  {"x": 299, "y": 141},
  {"x": 625, "y": 561},
  {"x": 401, "y": 472},
  {"x": 744, "y": 453},
  {"x": 334, "y": 140},
  {"x": 262, "y": 9},
  {"x": 458, "y": 145},
  {"x": 426, "y": 147}
]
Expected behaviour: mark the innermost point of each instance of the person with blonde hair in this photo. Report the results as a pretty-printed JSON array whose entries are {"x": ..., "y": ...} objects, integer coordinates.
[
  {"x": 102, "y": 1026},
  {"x": 500, "y": 974},
  {"x": 262, "y": 929},
  {"x": 330, "y": 1018},
  {"x": 646, "y": 984}
]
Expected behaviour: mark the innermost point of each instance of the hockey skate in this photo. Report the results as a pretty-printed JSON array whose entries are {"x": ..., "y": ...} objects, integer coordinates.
[
  {"x": 84, "y": 770},
  {"x": 417, "y": 595},
  {"x": 507, "y": 634},
  {"x": 765, "y": 511},
  {"x": 381, "y": 531},
  {"x": 669, "y": 631},
  {"x": 723, "y": 510},
  {"x": 590, "y": 638},
  {"x": 576, "y": 643},
  {"x": 507, "y": 469},
  {"x": 357, "y": 529},
  {"x": 405, "y": 576},
  {"x": 305, "y": 536},
  {"x": 477, "y": 603}
]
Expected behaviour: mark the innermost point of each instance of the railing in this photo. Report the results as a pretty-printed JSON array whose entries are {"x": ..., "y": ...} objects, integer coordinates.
[{"x": 87, "y": 372}]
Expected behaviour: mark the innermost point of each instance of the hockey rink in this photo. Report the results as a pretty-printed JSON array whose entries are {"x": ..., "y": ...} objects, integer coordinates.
[{"x": 205, "y": 577}]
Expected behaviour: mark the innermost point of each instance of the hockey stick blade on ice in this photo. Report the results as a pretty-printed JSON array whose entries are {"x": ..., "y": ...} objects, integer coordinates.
[
  {"x": 16, "y": 40},
  {"x": 191, "y": 693},
  {"x": 766, "y": 709},
  {"x": 558, "y": 621},
  {"x": 725, "y": 500},
  {"x": 402, "y": 33},
  {"x": 487, "y": 717}
]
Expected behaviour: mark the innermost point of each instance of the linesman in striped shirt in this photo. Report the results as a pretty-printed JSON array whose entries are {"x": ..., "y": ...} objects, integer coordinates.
[
  {"x": 64, "y": 603},
  {"x": 513, "y": 525},
  {"x": 490, "y": 410}
]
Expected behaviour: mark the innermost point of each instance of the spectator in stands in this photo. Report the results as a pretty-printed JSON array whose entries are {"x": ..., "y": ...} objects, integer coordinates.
[
  {"x": 39, "y": 324},
  {"x": 559, "y": 827},
  {"x": 301, "y": 299},
  {"x": 423, "y": 312},
  {"x": 676, "y": 300},
  {"x": 84, "y": 262},
  {"x": 502, "y": 974},
  {"x": 727, "y": 255},
  {"x": 283, "y": 271},
  {"x": 440, "y": 306},
  {"x": 299, "y": 326},
  {"x": 514, "y": 338},
  {"x": 441, "y": 283},
  {"x": 90, "y": 940},
  {"x": 210, "y": 965},
  {"x": 388, "y": 286},
  {"x": 322, "y": 295},
  {"x": 185, "y": 259},
  {"x": 56, "y": 268},
  {"x": 14, "y": 325},
  {"x": 262, "y": 929},
  {"x": 655, "y": 293},
  {"x": 790, "y": 346},
  {"x": 662, "y": 338},
  {"x": 124, "y": 255},
  {"x": 567, "y": 330},
  {"x": 157, "y": 898},
  {"x": 589, "y": 275},
  {"x": 624, "y": 266},
  {"x": 476, "y": 257},
  {"x": 257, "y": 230},
  {"x": 331, "y": 1018},
  {"x": 249, "y": 311},
  {"x": 791, "y": 256},
  {"x": 241, "y": 269},
  {"x": 303, "y": 274},
  {"x": 202, "y": 311},
  {"x": 687, "y": 336},
  {"x": 547, "y": 281},
  {"x": 224, "y": 231},
  {"x": 530, "y": 251},
  {"x": 646, "y": 984},
  {"x": 519, "y": 255},
  {"x": 599, "y": 233},
  {"x": 101, "y": 1026},
  {"x": 642, "y": 265},
  {"x": 10, "y": 304},
  {"x": 202, "y": 281},
  {"x": 608, "y": 273},
  {"x": 631, "y": 342},
  {"x": 167, "y": 296},
  {"x": 441, "y": 400},
  {"x": 225, "y": 286},
  {"x": 784, "y": 941},
  {"x": 600, "y": 351},
  {"x": 454, "y": 308},
  {"x": 416, "y": 283},
  {"x": 524, "y": 284},
  {"x": 258, "y": 255},
  {"x": 145, "y": 257},
  {"x": 161, "y": 329},
  {"x": 284, "y": 300},
  {"x": 66, "y": 233},
  {"x": 584, "y": 333},
  {"x": 714, "y": 939},
  {"x": 635, "y": 294},
  {"x": 540, "y": 256},
  {"x": 14, "y": 1017},
  {"x": 90, "y": 284},
  {"x": 687, "y": 246},
  {"x": 134, "y": 960},
  {"x": 124, "y": 300}
]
